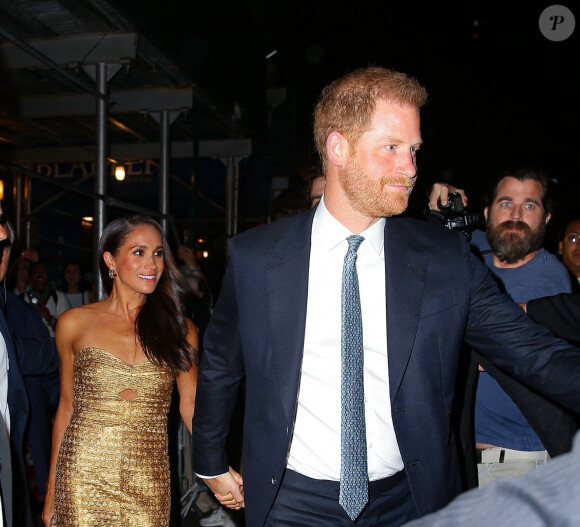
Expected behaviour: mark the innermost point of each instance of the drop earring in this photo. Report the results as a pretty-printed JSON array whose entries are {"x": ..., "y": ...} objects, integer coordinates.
[{"x": 111, "y": 274}]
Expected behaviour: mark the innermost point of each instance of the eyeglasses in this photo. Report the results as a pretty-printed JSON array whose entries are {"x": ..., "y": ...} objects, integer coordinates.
[{"x": 572, "y": 238}]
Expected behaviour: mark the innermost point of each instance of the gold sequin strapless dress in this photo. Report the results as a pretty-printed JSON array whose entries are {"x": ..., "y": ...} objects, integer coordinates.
[{"x": 113, "y": 466}]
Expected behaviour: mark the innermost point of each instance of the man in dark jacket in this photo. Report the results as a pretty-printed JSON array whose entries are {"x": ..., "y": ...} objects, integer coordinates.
[{"x": 25, "y": 355}]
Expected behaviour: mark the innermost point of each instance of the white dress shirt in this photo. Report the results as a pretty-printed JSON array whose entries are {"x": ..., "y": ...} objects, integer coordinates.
[{"x": 315, "y": 447}]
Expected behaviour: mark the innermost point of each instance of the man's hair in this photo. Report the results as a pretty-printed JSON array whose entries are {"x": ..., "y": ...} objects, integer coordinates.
[
  {"x": 525, "y": 174},
  {"x": 347, "y": 104},
  {"x": 564, "y": 230}
]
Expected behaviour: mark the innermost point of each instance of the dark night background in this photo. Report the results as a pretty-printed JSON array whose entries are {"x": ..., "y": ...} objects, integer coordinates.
[{"x": 501, "y": 94}]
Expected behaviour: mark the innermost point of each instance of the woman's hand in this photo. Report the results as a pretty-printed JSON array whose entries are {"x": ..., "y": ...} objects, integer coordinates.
[{"x": 48, "y": 510}]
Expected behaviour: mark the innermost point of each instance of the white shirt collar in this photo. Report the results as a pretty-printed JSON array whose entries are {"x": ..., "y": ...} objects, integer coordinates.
[{"x": 329, "y": 232}]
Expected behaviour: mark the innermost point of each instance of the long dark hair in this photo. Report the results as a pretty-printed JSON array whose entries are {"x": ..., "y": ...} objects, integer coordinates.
[{"x": 160, "y": 326}]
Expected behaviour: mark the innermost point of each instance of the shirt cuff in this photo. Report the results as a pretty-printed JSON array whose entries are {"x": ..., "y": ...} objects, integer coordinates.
[{"x": 210, "y": 477}]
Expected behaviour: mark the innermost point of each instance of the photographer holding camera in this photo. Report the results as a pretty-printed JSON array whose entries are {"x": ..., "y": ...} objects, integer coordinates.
[
  {"x": 512, "y": 438},
  {"x": 49, "y": 302}
]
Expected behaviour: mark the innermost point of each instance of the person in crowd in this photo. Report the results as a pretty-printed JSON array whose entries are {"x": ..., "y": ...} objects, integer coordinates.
[
  {"x": 514, "y": 430},
  {"x": 199, "y": 299},
  {"x": 19, "y": 270},
  {"x": 73, "y": 286},
  {"x": 191, "y": 270},
  {"x": 569, "y": 249},
  {"x": 40, "y": 292},
  {"x": 24, "y": 350},
  {"x": 346, "y": 322},
  {"x": 315, "y": 185},
  {"x": 119, "y": 359}
]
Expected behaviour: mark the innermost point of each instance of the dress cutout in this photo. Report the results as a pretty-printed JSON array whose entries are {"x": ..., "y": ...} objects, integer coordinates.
[{"x": 113, "y": 466}]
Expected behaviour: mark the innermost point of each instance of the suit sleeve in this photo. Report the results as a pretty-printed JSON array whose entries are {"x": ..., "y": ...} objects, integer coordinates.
[
  {"x": 560, "y": 314},
  {"x": 220, "y": 376},
  {"x": 36, "y": 356},
  {"x": 501, "y": 331}
]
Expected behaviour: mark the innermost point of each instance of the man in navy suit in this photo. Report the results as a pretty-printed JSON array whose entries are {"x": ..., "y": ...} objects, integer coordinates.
[{"x": 277, "y": 324}]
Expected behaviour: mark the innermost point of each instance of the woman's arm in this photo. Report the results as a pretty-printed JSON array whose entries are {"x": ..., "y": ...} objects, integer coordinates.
[
  {"x": 64, "y": 334},
  {"x": 187, "y": 382}
]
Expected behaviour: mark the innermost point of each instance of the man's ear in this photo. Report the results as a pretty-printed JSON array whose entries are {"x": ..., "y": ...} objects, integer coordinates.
[
  {"x": 485, "y": 212},
  {"x": 548, "y": 216},
  {"x": 560, "y": 247},
  {"x": 337, "y": 148}
]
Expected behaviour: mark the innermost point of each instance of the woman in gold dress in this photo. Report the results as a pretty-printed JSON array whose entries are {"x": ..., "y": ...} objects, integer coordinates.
[{"x": 119, "y": 359}]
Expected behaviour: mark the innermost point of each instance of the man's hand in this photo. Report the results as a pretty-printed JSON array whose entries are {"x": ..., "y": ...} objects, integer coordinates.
[
  {"x": 440, "y": 194},
  {"x": 228, "y": 489}
]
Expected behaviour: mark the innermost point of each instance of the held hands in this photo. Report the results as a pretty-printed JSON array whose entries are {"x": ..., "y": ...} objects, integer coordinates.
[
  {"x": 228, "y": 489},
  {"x": 440, "y": 194}
]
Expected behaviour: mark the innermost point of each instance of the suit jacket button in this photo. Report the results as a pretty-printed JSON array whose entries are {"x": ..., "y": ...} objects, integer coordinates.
[{"x": 274, "y": 480}]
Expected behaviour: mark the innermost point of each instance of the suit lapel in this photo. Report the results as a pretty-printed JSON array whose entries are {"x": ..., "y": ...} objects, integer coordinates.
[
  {"x": 287, "y": 283},
  {"x": 406, "y": 268}
]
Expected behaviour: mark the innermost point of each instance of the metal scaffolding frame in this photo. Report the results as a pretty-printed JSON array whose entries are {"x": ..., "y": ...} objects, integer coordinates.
[{"x": 101, "y": 57}]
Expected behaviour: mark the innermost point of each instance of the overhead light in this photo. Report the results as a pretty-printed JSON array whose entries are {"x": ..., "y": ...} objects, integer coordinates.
[
  {"x": 120, "y": 173},
  {"x": 87, "y": 221},
  {"x": 1, "y": 190}
]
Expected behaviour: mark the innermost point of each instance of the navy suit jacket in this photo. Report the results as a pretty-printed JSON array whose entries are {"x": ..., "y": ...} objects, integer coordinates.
[
  {"x": 18, "y": 406},
  {"x": 438, "y": 294},
  {"x": 559, "y": 313}
]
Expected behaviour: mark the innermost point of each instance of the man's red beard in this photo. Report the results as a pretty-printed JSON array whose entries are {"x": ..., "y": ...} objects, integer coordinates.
[
  {"x": 511, "y": 247},
  {"x": 372, "y": 197}
]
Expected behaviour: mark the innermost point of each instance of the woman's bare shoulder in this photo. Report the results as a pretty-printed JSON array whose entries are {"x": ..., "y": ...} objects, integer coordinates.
[
  {"x": 79, "y": 316},
  {"x": 79, "y": 325}
]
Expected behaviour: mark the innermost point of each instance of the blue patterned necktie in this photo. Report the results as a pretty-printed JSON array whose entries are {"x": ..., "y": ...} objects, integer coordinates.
[{"x": 353, "y": 466}]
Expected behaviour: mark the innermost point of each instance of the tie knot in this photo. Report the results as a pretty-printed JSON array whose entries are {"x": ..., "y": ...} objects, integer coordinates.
[{"x": 354, "y": 242}]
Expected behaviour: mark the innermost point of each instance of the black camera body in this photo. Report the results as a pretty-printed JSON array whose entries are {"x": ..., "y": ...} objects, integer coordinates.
[{"x": 454, "y": 216}]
